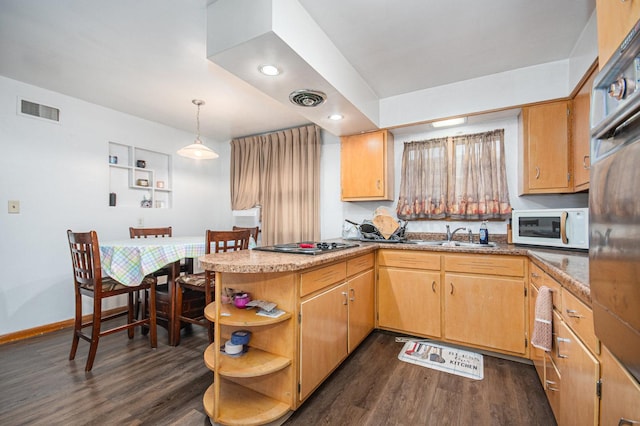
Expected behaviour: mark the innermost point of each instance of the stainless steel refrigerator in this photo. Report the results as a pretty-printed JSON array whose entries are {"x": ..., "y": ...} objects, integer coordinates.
[{"x": 614, "y": 204}]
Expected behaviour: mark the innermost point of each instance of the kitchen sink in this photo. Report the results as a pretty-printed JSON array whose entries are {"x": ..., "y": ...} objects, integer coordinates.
[
  {"x": 450, "y": 244},
  {"x": 426, "y": 242}
]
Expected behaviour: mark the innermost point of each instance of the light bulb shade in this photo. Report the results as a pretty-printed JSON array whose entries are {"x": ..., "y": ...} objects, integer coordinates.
[{"x": 198, "y": 151}]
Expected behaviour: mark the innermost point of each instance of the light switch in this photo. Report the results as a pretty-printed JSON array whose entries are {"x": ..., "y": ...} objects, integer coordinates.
[{"x": 14, "y": 206}]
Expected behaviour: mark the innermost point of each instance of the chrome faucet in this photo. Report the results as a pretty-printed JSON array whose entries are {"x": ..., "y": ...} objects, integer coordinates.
[{"x": 451, "y": 234}]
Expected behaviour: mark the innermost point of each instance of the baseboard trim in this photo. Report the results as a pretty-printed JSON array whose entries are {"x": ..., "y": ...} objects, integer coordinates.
[{"x": 49, "y": 328}]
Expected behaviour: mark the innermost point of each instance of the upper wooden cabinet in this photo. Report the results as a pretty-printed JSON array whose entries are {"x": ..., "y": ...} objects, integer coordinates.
[
  {"x": 366, "y": 165},
  {"x": 545, "y": 139},
  {"x": 615, "y": 20},
  {"x": 581, "y": 133}
]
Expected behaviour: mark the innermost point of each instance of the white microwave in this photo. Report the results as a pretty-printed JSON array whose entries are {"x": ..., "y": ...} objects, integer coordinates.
[{"x": 566, "y": 228}]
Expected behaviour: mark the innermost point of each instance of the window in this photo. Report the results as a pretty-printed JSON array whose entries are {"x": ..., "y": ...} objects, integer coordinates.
[{"x": 461, "y": 177}]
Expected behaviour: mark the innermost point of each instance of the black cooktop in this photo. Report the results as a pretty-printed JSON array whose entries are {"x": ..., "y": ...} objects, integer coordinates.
[{"x": 307, "y": 247}]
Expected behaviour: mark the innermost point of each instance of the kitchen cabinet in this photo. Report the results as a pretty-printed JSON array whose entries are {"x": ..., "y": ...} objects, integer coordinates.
[
  {"x": 581, "y": 133},
  {"x": 139, "y": 177},
  {"x": 620, "y": 393},
  {"x": 545, "y": 149},
  {"x": 336, "y": 314},
  {"x": 579, "y": 372},
  {"x": 615, "y": 19},
  {"x": 366, "y": 166},
  {"x": 484, "y": 302},
  {"x": 323, "y": 336},
  {"x": 361, "y": 287},
  {"x": 409, "y": 297},
  {"x": 258, "y": 386},
  {"x": 570, "y": 371}
]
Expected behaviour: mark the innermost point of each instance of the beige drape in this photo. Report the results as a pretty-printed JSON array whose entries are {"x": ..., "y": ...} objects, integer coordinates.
[
  {"x": 280, "y": 171},
  {"x": 423, "y": 184},
  {"x": 462, "y": 177}
]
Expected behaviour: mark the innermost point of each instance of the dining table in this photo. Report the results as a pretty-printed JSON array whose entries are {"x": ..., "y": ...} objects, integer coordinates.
[{"x": 130, "y": 260}]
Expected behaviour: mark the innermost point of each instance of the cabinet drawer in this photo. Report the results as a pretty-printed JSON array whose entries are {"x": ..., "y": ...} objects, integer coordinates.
[
  {"x": 359, "y": 264},
  {"x": 315, "y": 280},
  {"x": 580, "y": 318},
  {"x": 409, "y": 259},
  {"x": 511, "y": 266},
  {"x": 539, "y": 278},
  {"x": 552, "y": 384}
]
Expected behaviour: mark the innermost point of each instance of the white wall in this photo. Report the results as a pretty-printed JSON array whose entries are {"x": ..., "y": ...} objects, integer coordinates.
[
  {"x": 59, "y": 174},
  {"x": 334, "y": 211}
]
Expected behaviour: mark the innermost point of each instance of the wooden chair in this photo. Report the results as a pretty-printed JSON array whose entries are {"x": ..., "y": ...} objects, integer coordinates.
[
  {"x": 88, "y": 281},
  {"x": 255, "y": 230},
  {"x": 216, "y": 241},
  {"x": 163, "y": 298}
]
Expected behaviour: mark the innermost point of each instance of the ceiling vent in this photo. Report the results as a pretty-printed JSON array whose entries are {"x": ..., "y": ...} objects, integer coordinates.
[
  {"x": 307, "y": 98},
  {"x": 33, "y": 109}
]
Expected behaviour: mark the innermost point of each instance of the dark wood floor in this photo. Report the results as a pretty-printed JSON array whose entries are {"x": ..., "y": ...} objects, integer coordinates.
[{"x": 133, "y": 384}]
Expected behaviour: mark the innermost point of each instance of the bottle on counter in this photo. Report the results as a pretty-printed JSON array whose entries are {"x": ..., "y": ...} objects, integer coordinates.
[
  {"x": 509, "y": 233},
  {"x": 484, "y": 233}
]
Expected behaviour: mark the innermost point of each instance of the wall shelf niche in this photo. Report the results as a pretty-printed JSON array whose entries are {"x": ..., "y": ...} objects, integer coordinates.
[{"x": 139, "y": 177}]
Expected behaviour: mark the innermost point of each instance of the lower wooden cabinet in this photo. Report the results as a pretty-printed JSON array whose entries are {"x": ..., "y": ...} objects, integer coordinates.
[
  {"x": 323, "y": 336},
  {"x": 361, "y": 307},
  {"x": 409, "y": 301},
  {"x": 484, "y": 302},
  {"x": 334, "y": 318},
  {"x": 620, "y": 393},
  {"x": 579, "y": 373},
  {"x": 485, "y": 311},
  {"x": 409, "y": 297},
  {"x": 570, "y": 371}
]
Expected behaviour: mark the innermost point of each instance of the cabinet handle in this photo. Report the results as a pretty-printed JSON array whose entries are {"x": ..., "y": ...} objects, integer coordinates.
[
  {"x": 353, "y": 294},
  {"x": 535, "y": 275},
  {"x": 627, "y": 422},
  {"x": 548, "y": 385},
  {"x": 584, "y": 162},
  {"x": 433, "y": 286},
  {"x": 537, "y": 172},
  {"x": 558, "y": 341},
  {"x": 451, "y": 284},
  {"x": 378, "y": 184},
  {"x": 572, "y": 313},
  {"x": 344, "y": 293}
]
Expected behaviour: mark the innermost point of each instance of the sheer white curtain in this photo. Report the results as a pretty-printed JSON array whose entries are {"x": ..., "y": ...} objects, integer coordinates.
[{"x": 284, "y": 180}]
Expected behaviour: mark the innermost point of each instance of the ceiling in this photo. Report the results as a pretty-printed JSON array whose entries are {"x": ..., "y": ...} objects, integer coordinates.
[{"x": 148, "y": 58}]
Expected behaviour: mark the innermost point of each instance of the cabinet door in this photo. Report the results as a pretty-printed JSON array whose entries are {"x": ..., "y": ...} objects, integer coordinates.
[
  {"x": 620, "y": 393},
  {"x": 581, "y": 134},
  {"x": 366, "y": 165},
  {"x": 546, "y": 149},
  {"x": 323, "y": 336},
  {"x": 485, "y": 311},
  {"x": 409, "y": 301},
  {"x": 615, "y": 20},
  {"x": 580, "y": 372},
  {"x": 361, "y": 308}
]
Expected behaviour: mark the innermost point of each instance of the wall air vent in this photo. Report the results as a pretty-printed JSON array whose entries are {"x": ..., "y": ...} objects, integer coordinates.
[
  {"x": 33, "y": 109},
  {"x": 307, "y": 98}
]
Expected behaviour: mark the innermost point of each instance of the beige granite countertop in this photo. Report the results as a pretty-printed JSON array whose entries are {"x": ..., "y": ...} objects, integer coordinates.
[{"x": 569, "y": 268}]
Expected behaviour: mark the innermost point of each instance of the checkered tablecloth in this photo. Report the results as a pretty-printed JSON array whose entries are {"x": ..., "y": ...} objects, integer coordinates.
[{"x": 128, "y": 261}]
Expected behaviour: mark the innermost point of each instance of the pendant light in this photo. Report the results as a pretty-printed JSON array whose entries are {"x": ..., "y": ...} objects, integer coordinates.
[{"x": 198, "y": 150}]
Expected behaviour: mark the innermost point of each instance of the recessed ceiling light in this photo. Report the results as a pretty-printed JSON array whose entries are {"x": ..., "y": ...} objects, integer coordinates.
[
  {"x": 269, "y": 70},
  {"x": 450, "y": 122},
  {"x": 336, "y": 117}
]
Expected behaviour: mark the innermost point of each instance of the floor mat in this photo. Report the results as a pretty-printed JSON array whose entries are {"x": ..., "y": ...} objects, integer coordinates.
[{"x": 443, "y": 358}]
